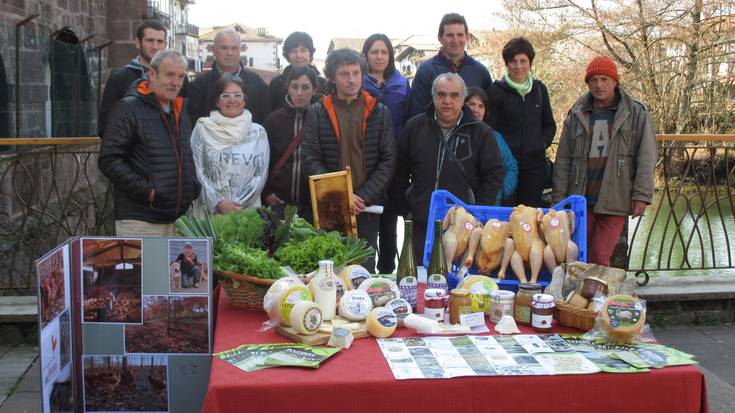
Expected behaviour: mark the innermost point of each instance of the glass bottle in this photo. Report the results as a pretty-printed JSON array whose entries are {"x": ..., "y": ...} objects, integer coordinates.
[
  {"x": 325, "y": 290},
  {"x": 406, "y": 275},
  {"x": 437, "y": 271}
]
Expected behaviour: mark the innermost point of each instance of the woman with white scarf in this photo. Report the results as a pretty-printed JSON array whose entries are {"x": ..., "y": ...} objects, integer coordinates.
[{"x": 231, "y": 152}]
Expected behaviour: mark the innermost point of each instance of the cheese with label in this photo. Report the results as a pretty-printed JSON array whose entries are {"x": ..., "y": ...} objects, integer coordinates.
[
  {"x": 401, "y": 308},
  {"x": 622, "y": 317},
  {"x": 381, "y": 322},
  {"x": 355, "y": 305},
  {"x": 306, "y": 317},
  {"x": 381, "y": 290},
  {"x": 480, "y": 287},
  {"x": 353, "y": 276},
  {"x": 328, "y": 327},
  {"x": 282, "y": 295}
]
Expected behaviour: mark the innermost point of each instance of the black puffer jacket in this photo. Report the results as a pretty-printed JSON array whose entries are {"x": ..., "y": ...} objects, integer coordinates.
[
  {"x": 526, "y": 123},
  {"x": 422, "y": 168},
  {"x": 321, "y": 146},
  {"x": 140, "y": 152}
]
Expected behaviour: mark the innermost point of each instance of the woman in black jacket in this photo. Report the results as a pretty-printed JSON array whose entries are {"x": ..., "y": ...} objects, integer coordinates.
[
  {"x": 287, "y": 181},
  {"x": 519, "y": 108}
]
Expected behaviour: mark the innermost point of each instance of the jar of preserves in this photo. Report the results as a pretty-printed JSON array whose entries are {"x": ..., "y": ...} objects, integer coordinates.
[
  {"x": 501, "y": 303},
  {"x": 522, "y": 307},
  {"x": 592, "y": 285},
  {"x": 434, "y": 303},
  {"x": 459, "y": 303},
  {"x": 542, "y": 312}
]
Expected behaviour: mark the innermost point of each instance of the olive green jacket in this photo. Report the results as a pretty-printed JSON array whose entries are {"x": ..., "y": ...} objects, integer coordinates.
[{"x": 632, "y": 154}]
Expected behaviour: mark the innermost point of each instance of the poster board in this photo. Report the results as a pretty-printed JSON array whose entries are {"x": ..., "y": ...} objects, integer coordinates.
[
  {"x": 125, "y": 324},
  {"x": 331, "y": 202}
]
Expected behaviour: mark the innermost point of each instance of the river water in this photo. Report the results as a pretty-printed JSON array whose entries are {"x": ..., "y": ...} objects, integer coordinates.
[{"x": 708, "y": 238}]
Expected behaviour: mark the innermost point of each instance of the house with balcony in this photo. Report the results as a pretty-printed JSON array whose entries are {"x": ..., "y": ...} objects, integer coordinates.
[{"x": 259, "y": 50}]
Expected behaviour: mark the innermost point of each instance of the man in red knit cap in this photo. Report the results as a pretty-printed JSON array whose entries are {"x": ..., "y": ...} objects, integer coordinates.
[{"x": 607, "y": 152}]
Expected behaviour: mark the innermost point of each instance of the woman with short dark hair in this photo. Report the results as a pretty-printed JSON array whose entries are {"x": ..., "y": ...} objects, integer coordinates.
[
  {"x": 230, "y": 152},
  {"x": 287, "y": 182},
  {"x": 298, "y": 50},
  {"x": 385, "y": 83},
  {"x": 519, "y": 108}
]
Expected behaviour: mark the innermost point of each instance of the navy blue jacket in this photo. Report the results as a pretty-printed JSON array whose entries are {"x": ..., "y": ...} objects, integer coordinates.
[
  {"x": 395, "y": 93},
  {"x": 471, "y": 71}
]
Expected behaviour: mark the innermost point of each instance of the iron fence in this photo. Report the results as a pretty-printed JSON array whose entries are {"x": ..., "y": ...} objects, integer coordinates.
[
  {"x": 690, "y": 227},
  {"x": 50, "y": 190}
]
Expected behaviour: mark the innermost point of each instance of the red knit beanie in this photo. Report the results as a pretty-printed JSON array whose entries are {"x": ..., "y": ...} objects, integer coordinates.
[{"x": 602, "y": 65}]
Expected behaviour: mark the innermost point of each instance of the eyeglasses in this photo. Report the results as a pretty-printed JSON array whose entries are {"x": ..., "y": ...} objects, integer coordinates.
[{"x": 231, "y": 96}]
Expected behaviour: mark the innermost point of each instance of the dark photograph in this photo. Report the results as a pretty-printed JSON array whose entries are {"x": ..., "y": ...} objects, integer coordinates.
[
  {"x": 50, "y": 272},
  {"x": 125, "y": 384}
]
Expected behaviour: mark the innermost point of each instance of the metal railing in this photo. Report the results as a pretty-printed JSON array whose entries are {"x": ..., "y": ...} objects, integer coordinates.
[
  {"x": 50, "y": 189},
  {"x": 154, "y": 11},
  {"x": 691, "y": 224},
  {"x": 187, "y": 29}
]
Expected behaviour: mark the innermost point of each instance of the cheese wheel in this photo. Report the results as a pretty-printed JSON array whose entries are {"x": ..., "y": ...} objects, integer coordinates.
[
  {"x": 401, "y": 308},
  {"x": 381, "y": 322},
  {"x": 355, "y": 305},
  {"x": 353, "y": 276},
  {"x": 622, "y": 317},
  {"x": 479, "y": 286},
  {"x": 306, "y": 317},
  {"x": 282, "y": 296},
  {"x": 381, "y": 290}
]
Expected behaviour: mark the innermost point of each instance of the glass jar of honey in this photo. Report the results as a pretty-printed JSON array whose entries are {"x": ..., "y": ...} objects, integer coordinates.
[
  {"x": 459, "y": 303},
  {"x": 522, "y": 308}
]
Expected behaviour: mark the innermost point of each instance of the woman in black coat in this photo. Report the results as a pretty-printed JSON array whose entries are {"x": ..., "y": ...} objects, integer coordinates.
[{"x": 519, "y": 108}]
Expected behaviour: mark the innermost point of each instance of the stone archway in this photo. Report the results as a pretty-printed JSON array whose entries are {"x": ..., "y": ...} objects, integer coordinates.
[{"x": 72, "y": 97}]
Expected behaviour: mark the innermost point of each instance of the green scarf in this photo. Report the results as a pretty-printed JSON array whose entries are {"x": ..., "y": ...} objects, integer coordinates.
[{"x": 522, "y": 88}]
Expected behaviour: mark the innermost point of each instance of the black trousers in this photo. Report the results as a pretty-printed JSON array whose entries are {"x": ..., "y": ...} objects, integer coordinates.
[
  {"x": 367, "y": 229},
  {"x": 387, "y": 243},
  {"x": 530, "y": 187}
]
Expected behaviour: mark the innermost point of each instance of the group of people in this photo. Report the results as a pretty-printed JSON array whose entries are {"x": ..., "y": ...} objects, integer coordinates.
[{"x": 452, "y": 128}]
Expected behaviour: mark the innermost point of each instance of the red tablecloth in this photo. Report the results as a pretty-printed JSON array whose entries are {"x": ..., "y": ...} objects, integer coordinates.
[{"x": 359, "y": 380}]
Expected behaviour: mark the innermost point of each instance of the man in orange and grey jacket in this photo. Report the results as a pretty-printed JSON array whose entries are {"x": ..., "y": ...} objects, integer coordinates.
[{"x": 351, "y": 128}]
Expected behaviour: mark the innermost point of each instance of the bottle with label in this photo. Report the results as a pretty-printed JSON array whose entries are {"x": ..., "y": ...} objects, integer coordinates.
[
  {"x": 406, "y": 275},
  {"x": 325, "y": 289},
  {"x": 542, "y": 312},
  {"x": 437, "y": 271}
]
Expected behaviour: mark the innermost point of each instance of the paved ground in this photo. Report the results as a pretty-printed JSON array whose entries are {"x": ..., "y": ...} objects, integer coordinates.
[{"x": 714, "y": 347}]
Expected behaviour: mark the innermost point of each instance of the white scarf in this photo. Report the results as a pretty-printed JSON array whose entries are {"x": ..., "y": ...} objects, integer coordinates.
[{"x": 222, "y": 132}]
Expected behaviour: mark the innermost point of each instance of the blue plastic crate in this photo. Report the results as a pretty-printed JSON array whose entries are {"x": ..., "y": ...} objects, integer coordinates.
[{"x": 442, "y": 200}]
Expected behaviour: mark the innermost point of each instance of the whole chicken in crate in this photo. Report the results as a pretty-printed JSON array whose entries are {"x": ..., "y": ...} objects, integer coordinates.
[
  {"x": 495, "y": 249},
  {"x": 527, "y": 243},
  {"x": 557, "y": 228},
  {"x": 461, "y": 236}
]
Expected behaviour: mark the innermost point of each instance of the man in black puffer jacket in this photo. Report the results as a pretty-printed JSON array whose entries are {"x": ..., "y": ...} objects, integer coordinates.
[
  {"x": 445, "y": 147},
  {"x": 146, "y": 152},
  {"x": 351, "y": 128}
]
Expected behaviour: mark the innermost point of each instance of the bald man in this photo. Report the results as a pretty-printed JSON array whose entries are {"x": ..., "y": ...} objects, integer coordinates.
[{"x": 227, "y": 46}]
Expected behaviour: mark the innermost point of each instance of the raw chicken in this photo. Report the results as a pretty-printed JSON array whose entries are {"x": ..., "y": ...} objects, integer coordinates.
[
  {"x": 458, "y": 234},
  {"x": 527, "y": 242},
  {"x": 557, "y": 228},
  {"x": 495, "y": 244}
]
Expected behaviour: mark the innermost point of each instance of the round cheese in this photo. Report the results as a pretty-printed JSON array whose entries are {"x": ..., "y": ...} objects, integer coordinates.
[
  {"x": 355, "y": 305},
  {"x": 622, "y": 317},
  {"x": 381, "y": 322},
  {"x": 480, "y": 287},
  {"x": 401, "y": 308},
  {"x": 282, "y": 296},
  {"x": 353, "y": 276},
  {"x": 381, "y": 290},
  {"x": 306, "y": 317}
]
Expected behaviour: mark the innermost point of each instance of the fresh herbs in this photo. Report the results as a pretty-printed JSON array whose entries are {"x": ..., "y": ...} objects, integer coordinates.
[{"x": 258, "y": 243}]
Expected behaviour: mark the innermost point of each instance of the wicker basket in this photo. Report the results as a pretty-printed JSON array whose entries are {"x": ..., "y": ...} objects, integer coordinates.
[
  {"x": 581, "y": 318},
  {"x": 249, "y": 292}
]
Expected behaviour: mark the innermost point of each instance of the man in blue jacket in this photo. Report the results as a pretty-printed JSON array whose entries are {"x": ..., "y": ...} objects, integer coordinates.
[{"x": 453, "y": 36}]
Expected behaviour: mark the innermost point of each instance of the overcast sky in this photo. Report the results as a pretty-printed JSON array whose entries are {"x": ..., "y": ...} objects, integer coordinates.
[{"x": 324, "y": 20}]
